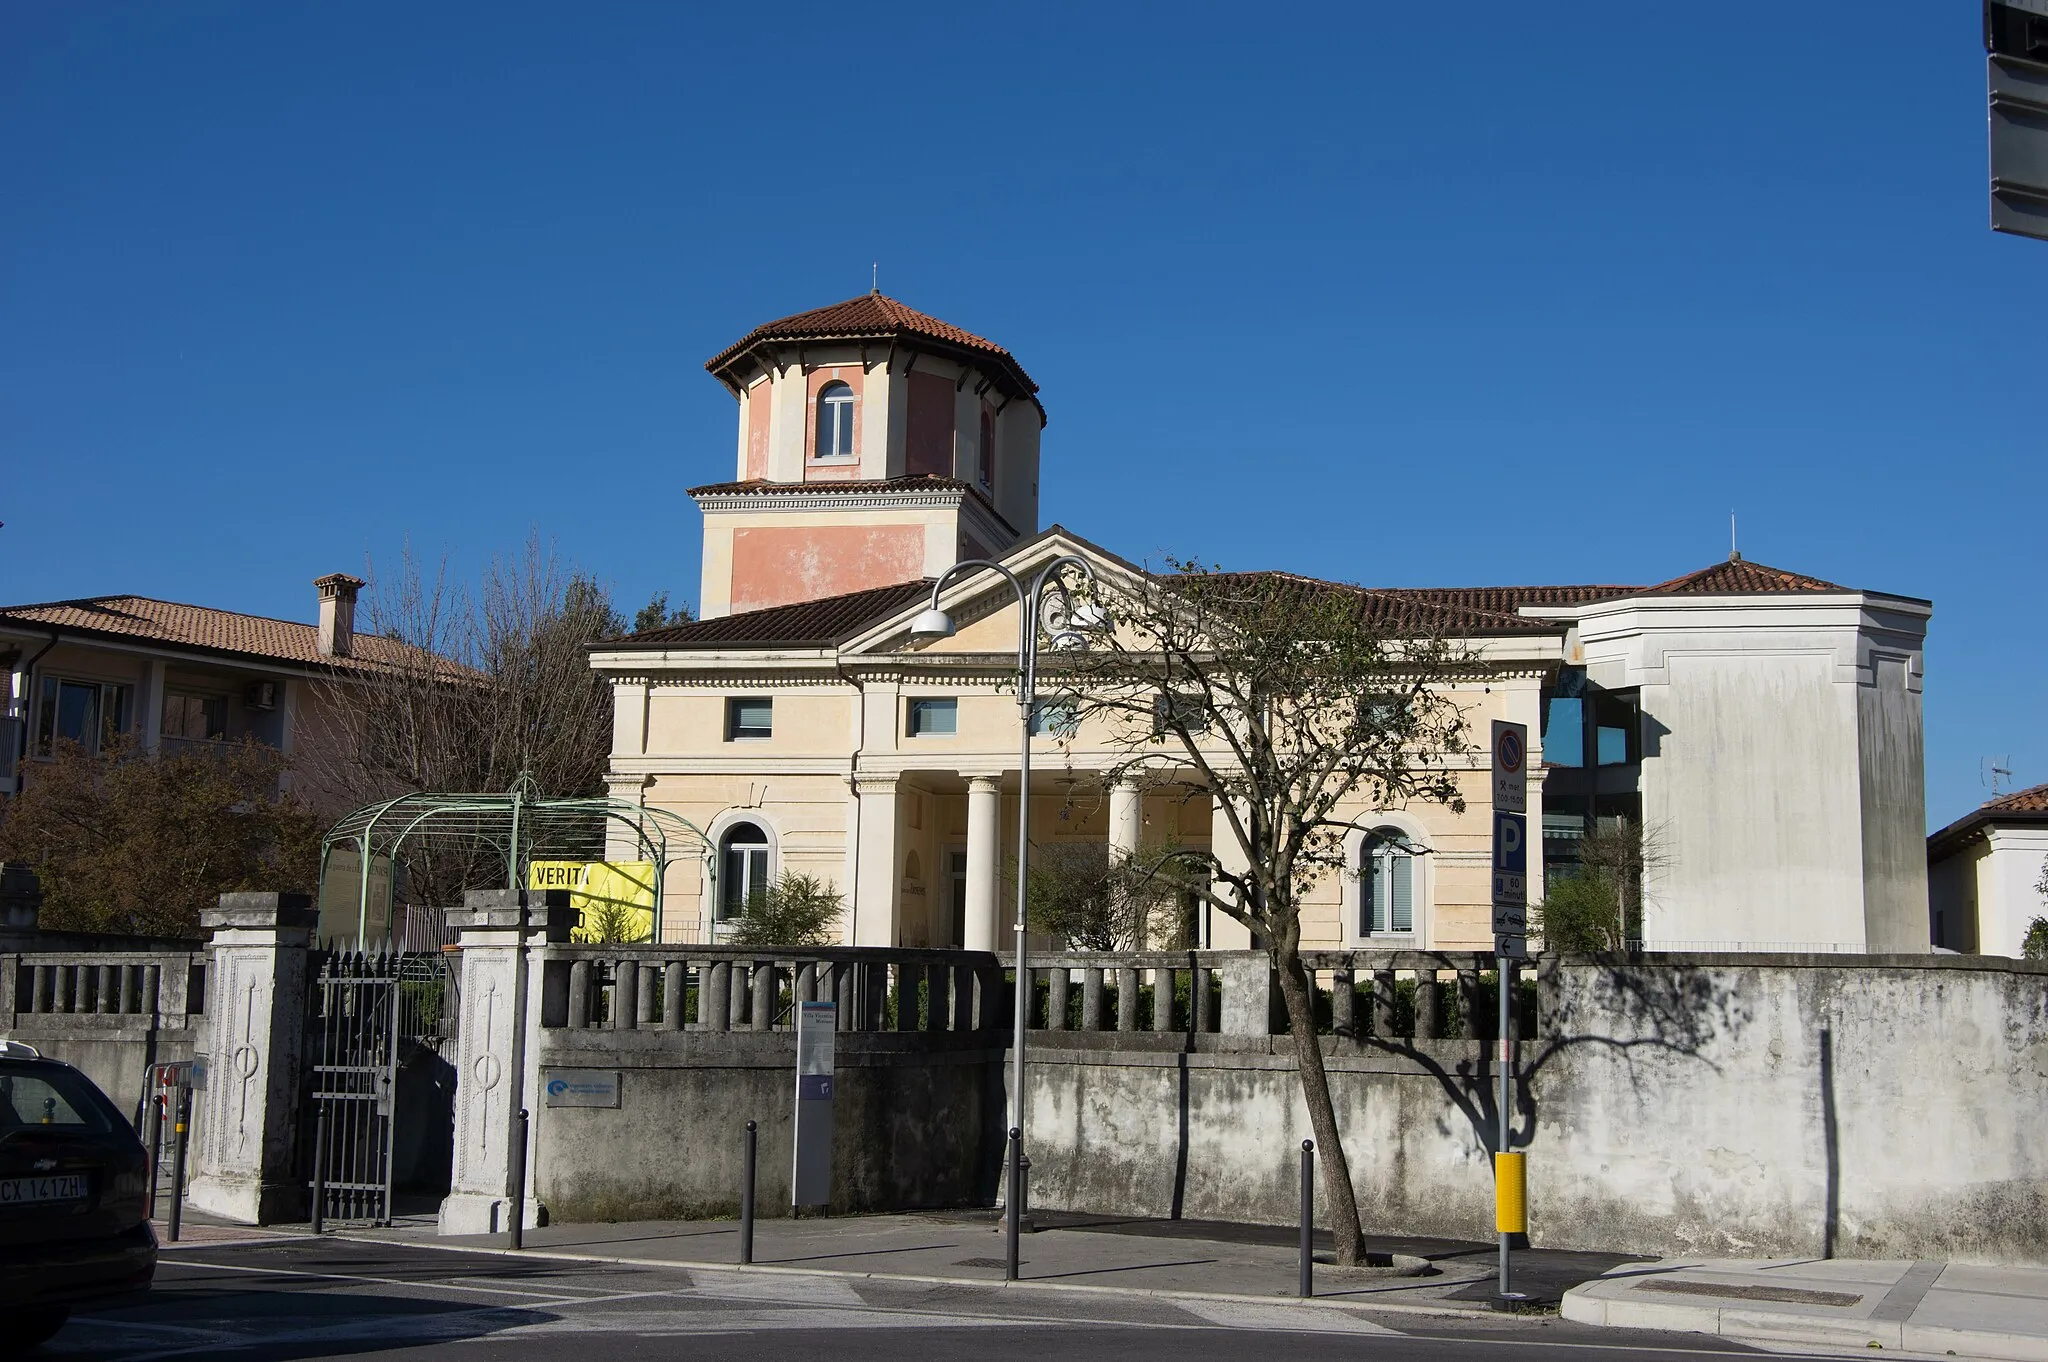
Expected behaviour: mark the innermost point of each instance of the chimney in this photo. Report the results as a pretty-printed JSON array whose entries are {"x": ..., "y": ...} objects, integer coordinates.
[{"x": 337, "y": 613}]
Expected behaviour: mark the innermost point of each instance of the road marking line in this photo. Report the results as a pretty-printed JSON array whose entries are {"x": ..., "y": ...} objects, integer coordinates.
[{"x": 1278, "y": 1318}]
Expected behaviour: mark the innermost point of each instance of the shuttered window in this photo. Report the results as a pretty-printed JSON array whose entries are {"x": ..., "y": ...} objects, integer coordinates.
[{"x": 1388, "y": 871}]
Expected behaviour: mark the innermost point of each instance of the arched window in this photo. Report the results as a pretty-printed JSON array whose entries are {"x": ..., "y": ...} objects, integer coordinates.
[
  {"x": 835, "y": 422},
  {"x": 743, "y": 867},
  {"x": 1387, "y": 879}
]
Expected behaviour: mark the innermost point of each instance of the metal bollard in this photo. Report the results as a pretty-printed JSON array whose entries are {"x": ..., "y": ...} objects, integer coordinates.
[
  {"x": 178, "y": 1161},
  {"x": 1308, "y": 1218},
  {"x": 1013, "y": 1211},
  {"x": 747, "y": 1202},
  {"x": 518, "y": 1225},
  {"x": 320, "y": 1169}
]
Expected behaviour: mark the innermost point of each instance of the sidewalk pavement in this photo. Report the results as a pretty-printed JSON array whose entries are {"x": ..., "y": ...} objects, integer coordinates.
[
  {"x": 1918, "y": 1307},
  {"x": 1085, "y": 1252}
]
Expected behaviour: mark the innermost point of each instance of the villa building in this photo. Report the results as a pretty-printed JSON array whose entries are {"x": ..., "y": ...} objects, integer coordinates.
[
  {"x": 1762, "y": 726},
  {"x": 1987, "y": 875}
]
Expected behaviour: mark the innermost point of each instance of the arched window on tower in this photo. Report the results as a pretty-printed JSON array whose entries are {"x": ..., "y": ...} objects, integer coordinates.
[
  {"x": 835, "y": 422},
  {"x": 1387, "y": 880},
  {"x": 742, "y": 866}
]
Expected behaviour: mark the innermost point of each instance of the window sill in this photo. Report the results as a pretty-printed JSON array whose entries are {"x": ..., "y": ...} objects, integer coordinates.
[
  {"x": 751, "y": 737},
  {"x": 834, "y": 459}
]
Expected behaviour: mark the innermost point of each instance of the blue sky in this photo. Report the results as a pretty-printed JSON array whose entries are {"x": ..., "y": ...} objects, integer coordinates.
[{"x": 1402, "y": 295}]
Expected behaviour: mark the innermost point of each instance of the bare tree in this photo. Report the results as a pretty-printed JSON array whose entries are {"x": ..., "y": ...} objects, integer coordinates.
[
  {"x": 462, "y": 692},
  {"x": 1297, "y": 705},
  {"x": 1092, "y": 900}
]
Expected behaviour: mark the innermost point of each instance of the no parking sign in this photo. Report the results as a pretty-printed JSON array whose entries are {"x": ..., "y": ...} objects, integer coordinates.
[{"x": 1510, "y": 837}]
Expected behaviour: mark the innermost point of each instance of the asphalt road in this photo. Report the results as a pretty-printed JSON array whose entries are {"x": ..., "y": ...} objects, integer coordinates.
[{"x": 306, "y": 1298}]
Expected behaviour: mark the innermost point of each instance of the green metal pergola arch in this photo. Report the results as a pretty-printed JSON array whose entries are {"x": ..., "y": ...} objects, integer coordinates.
[{"x": 518, "y": 827}]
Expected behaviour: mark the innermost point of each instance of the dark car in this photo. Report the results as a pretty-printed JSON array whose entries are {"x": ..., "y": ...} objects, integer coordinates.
[{"x": 74, "y": 1188}]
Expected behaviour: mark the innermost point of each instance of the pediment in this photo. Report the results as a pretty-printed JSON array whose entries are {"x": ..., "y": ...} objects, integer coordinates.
[{"x": 983, "y": 605}]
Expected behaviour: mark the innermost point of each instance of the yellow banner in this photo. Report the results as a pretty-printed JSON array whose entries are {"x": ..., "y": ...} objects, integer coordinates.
[{"x": 615, "y": 898}]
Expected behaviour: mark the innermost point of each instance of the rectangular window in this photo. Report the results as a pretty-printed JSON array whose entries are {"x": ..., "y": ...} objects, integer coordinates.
[
  {"x": 89, "y": 713},
  {"x": 749, "y": 716},
  {"x": 1054, "y": 718},
  {"x": 1564, "y": 732},
  {"x": 203, "y": 717},
  {"x": 746, "y": 875},
  {"x": 1188, "y": 710},
  {"x": 934, "y": 718},
  {"x": 1389, "y": 891}
]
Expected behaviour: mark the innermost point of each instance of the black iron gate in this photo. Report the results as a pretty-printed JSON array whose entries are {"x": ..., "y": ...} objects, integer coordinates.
[{"x": 374, "y": 1036}]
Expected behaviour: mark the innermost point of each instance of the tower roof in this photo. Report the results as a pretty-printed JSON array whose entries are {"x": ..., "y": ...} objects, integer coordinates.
[
  {"x": 876, "y": 317},
  {"x": 1739, "y": 577}
]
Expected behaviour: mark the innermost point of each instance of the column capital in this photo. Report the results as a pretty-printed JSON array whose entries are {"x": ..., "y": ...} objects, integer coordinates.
[
  {"x": 874, "y": 782},
  {"x": 982, "y": 784}
]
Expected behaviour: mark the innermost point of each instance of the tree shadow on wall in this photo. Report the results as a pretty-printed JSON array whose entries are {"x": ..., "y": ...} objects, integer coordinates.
[{"x": 1641, "y": 1010}]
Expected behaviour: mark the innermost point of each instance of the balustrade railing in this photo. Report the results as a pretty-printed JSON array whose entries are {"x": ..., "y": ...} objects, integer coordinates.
[
  {"x": 1387, "y": 995},
  {"x": 119, "y": 984},
  {"x": 735, "y": 988}
]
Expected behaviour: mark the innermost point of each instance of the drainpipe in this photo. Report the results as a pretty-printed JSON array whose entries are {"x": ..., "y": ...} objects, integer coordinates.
[{"x": 860, "y": 732}]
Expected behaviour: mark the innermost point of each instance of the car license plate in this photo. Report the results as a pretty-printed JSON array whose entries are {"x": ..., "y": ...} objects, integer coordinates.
[{"x": 59, "y": 1187}]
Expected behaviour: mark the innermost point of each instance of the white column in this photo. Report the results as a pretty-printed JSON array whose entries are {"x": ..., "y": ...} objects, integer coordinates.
[
  {"x": 984, "y": 833},
  {"x": 1225, "y": 932},
  {"x": 1126, "y": 819},
  {"x": 874, "y": 889}
]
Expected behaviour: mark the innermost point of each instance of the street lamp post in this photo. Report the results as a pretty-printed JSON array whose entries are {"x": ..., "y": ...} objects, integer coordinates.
[{"x": 935, "y": 623}]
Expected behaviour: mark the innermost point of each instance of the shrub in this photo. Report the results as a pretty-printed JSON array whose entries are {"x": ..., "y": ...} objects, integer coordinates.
[
  {"x": 1580, "y": 914},
  {"x": 797, "y": 910},
  {"x": 2035, "y": 945}
]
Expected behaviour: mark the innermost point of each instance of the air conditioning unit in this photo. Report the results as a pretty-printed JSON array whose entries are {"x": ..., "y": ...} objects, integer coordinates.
[{"x": 261, "y": 695}]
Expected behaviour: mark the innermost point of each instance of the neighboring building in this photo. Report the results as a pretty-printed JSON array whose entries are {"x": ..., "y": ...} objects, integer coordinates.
[
  {"x": 1985, "y": 873},
  {"x": 1764, "y": 726},
  {"x": 170, "y": 675}
]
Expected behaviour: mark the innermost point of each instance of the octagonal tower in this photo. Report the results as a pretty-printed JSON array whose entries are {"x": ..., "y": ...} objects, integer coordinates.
[{"x": 876, "y": 445}]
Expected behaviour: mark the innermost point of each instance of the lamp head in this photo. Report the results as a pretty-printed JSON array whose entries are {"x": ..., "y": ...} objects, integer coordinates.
[
  {"x": 933, "y": 623},
  {"x": 1089, "y": 616}
]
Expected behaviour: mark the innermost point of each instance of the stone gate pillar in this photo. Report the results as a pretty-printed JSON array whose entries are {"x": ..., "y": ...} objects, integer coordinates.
[
  {"x": 498, "y": 1050},
  {"x": 247, "y": 1113}
]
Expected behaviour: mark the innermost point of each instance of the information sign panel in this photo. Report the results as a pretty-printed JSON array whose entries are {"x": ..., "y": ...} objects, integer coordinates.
[
  {"x": 817, "y": 1026},
  {"x": 580, "y": 1087}
]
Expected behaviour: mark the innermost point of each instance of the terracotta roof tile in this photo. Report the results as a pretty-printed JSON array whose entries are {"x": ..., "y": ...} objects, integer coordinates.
[
  {"x": 1460, "y": 609},
  {"x": 876, "y": 316},
  {"x": 2028, "y": 806},
  {"x": 2032, "y": 800},
  {"x": 1739, "y": 577},
  {"x": 206, "y": 630},
  {"x": 803, "y": 624}
]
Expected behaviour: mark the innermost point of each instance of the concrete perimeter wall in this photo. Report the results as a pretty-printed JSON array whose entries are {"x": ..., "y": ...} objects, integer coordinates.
[
  {"x": 1864, "y": 1106},
  {"x": 917, "y": 1122}
]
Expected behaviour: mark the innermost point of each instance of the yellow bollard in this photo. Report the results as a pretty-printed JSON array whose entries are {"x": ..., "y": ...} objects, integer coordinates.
[{"x": 1510, "y": 1194}]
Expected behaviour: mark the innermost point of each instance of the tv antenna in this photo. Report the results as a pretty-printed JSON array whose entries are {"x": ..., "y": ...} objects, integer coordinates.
[{"x": 1997, "y": 771}]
